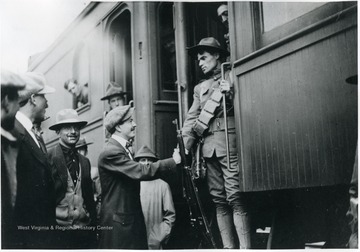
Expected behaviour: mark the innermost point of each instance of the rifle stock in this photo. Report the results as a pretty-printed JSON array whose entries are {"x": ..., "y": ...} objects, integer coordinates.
[{"x": 198, "y": 218}]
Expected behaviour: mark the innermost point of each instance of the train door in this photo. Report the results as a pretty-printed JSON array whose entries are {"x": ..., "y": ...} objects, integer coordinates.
[
  {"x": 191, "y": 22},
  {"x": 120, "y": 60}
]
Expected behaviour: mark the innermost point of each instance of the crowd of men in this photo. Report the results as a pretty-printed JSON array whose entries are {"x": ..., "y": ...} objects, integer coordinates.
[
  {"x": 56, "y": 199},
  {"x": 49, "y": 197}
]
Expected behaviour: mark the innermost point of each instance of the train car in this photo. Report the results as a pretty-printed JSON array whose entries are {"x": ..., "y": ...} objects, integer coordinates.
[{"x": 296, "y": 117}]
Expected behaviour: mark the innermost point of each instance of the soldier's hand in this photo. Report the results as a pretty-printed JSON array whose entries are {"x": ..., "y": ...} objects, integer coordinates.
[
  {"x": 186, "y": 151},
  {"x": 176, "y": 156},
  {"x": 224, "y": 86}
]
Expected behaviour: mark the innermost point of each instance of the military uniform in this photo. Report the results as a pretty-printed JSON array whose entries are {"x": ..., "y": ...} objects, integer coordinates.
[{"x": 223, "y": 182}]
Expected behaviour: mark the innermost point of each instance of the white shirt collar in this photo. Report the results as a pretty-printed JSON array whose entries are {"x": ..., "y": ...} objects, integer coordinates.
[
  {"x": 7, "y": 135},
  {"x": 119, "y": 139},
  {"x": 24, "y": 120}
]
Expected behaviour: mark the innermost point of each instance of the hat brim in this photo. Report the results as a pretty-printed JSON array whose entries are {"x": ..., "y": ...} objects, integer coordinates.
[
  {"x": 112, "y": 95},
  {"x": 70, "y": 121},
  {"x": 46, "y": 90},
  {"x": 145, "y": 155},
  {"x": 193, "y": 50}
]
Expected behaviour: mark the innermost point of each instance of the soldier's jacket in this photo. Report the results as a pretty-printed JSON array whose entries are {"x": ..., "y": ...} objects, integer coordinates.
[{"x": 214, "y": 137}]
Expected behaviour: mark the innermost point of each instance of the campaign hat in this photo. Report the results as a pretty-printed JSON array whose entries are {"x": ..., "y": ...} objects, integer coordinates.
[
  {"x": 207, "y": 43},
  {"x": 113, "y": 89},
  {"x": 67, "y": 116},
  {"x": 145, "y": 152}
]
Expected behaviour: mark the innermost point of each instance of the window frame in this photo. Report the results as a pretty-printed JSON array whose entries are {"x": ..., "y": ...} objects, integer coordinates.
[{"x": 296, "y": 25}]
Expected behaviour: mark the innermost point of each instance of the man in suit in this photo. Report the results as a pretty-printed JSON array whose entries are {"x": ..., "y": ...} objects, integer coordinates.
[
  {"x": 223, "y": 181},
  {"x": 35, "y": 201},
  {"x": 75, "y": 206},
  {"x": 10, "y": 84},
  {"x": 122, "y": 220}
]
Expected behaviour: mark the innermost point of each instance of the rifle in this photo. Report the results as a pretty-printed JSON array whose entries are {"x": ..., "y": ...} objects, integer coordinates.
[{"x": 198, "y": 218}]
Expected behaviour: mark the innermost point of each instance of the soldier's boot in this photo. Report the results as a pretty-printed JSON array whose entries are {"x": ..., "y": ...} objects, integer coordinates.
[
  {"x": 225, "y": 223},
  {"x": 242, "y": 226}
]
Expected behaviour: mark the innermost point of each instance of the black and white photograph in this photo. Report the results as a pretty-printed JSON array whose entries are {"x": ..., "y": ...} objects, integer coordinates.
[{"x": 179, "y": 125}]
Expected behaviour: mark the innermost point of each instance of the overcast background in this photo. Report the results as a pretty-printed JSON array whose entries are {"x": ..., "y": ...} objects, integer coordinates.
[{"x": 31, "y": 26}]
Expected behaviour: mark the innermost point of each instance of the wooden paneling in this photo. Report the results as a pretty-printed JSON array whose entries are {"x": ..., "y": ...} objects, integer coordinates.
[{"x": 299, "y": 117}]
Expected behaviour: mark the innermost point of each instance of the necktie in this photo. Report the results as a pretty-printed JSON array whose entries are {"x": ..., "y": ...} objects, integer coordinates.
[
  {"x": 129, "y": 148},
  {"x": 40, "y": 139}
]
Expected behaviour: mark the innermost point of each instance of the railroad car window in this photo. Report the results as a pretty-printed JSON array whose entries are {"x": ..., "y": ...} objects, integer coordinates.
[
  {"x": 167, "y": 50},
  {"x": 81, "y": 75},
  {"x": 276, "y": 20},
  {"x": 276, "y": 14}
]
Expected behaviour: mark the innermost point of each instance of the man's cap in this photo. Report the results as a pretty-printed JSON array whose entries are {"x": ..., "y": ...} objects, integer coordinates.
[
  {"x": 35, "y": 84},
  {"x": 222, "y": 8},
  {"x": 117, "y": 116},
  {"x": 352, "y": 79},
  {"x": 113, "y": 89},
  {"x": 145, "y": 152},
  {"x": 67, "y": 116},
  {"x": 13, "y": 80},
  {"x": 82, "y": 142},
  {"x": 207, "y": 43}
]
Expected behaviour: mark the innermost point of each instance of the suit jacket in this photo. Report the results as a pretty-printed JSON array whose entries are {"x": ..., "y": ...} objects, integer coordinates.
[
  {"x": 9, "y": 150},
  {"x": 60, "y": 175},
  {"x": 214, "y": 142},
  {"x": 35, "y": 200},
  {"x": 121, "y": 214}
]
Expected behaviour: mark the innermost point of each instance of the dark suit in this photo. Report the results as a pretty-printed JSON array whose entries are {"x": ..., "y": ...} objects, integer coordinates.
[
  {"x": 35, "y": 200},
  {"x": 121, "y": 208},
  {"x": 9, "y": 150},
  {"x": 81, "y": 238}
]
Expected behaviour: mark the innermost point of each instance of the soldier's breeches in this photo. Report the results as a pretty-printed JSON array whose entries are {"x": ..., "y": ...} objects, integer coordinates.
[{"x": 223, "y": 182}]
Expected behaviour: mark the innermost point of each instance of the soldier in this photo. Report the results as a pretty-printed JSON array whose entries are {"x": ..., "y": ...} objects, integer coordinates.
[
  {"x": 115, "y": 97},
  {"x": 222, "y": 12},
  {"x": 223, "y": 181}
]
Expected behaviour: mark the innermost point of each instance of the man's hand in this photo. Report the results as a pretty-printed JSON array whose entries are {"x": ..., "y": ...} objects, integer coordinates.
[
  {"x": 176, "y": 156},
  {"x": 224, "y": 86}
]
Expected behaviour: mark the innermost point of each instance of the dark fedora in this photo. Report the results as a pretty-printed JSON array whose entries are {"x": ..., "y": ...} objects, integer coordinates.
[
  {"x": 207, "y": 43},
  {"x": 113, "y": 89},
  {"x": 145, "y": 152},
  {"x": 67, "y": 116},
  {"x": 81, "y": 143}
]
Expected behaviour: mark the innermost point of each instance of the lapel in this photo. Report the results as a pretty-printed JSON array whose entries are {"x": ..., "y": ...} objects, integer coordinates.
[
  {"x": 60, "y": 164},
  {"x": 25, "y": 137},
  {"x": 83, "y": 167},
  {"x": 117, "y": 145}
]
